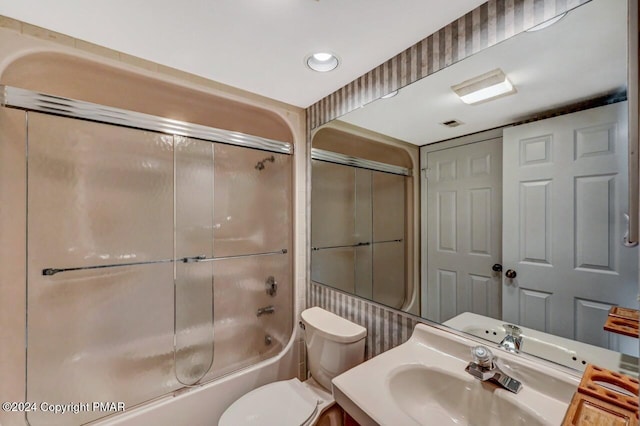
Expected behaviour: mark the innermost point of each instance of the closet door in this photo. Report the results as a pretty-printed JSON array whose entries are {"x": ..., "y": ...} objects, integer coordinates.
[
  {"x": 99, "y": 197},
  {"x": 565, "y": 198}
]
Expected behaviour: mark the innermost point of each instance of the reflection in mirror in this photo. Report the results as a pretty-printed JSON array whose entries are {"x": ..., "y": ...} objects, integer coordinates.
[
  {"x": 358, "y": 228},
  {"x": 523, "y": 198}
]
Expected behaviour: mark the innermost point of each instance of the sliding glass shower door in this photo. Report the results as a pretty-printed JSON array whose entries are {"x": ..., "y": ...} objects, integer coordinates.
[
  {"x": 194, "y": 281},
  {"x": 100, "y": 271},
  {"x": 154, "y": 262},
  {"x": 358, "y": 231}
]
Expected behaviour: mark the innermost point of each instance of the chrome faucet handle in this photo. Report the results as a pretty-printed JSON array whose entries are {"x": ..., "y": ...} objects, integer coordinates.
[
  {"x": 484, "y": 368},
  {"x": 482, "y": 356}
]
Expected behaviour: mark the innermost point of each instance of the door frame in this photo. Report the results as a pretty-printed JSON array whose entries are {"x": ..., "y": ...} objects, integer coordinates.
[{"x": 424, "y": 152}]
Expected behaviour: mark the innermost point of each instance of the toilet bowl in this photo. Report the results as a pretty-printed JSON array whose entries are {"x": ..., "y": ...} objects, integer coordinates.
[{"x": 334, "y": 345}]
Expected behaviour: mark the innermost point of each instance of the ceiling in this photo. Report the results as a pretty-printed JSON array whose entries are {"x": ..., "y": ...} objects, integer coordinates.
[
  {"x": 258, "y": 46},
  {"x": 580, "y": 57}
]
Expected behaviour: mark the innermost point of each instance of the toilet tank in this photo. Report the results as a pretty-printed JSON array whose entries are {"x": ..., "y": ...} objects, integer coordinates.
[{"x": 333, "y": 343}]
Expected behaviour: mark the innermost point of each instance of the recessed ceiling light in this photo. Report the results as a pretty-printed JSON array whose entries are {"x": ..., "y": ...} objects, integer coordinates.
[
  {"x": 487, "y": 86},
  {"x": 322, "y": 61},
  {"x": 547, "y": 23},
  {"x": 389, "y": 95}
]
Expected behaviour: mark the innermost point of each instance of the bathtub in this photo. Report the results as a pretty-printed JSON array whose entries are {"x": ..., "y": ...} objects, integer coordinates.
[{"x": 204, "y": 404}]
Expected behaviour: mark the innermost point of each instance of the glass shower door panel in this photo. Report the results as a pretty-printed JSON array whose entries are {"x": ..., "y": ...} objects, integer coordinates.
[
  {"x": 333, "y": 205},
  {"x": 252, "y": 201},
  {"x": 363, "y": 271},
  {"x": 250, "y": 325},
  {"x": 99, "y": 335},
  {"x": 389, "y": 286},
  {"x": 194, "y": 321},
  {"x": 334, "y": 267},
  {"x": 194, "y": 237},
  {"x": 98, "y": 195},
  {"x": 388, "y": 192},
  {"x": 363, "y": 206}
]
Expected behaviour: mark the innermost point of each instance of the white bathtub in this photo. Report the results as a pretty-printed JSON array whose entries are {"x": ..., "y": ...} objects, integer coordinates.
[{"x": 203, "y": 405}]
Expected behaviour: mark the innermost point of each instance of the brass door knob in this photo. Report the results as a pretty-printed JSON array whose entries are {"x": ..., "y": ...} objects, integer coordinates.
[
  {"x": 497, "y": 267},
  {"x": 511, "y": 273}
]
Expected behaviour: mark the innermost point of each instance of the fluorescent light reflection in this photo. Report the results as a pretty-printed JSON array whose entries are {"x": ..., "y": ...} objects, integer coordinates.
[{"x": 488, "y": 92}]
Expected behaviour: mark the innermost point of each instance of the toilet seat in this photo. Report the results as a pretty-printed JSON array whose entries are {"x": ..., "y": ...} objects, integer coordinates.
[{"x": 281, "y": 403}]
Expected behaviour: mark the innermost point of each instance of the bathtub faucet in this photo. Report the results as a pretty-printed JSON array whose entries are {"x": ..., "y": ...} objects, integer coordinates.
[{"x": 266, "y": 310}]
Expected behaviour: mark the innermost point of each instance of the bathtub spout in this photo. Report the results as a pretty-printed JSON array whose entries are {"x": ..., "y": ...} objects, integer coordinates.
[{"x": 266, "y": 310}]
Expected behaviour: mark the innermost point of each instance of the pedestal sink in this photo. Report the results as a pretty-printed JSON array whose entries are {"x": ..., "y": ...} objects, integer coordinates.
[{"x": 423, "y": 381}]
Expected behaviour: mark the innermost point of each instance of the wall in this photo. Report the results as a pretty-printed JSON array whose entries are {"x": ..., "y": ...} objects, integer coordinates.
[
  {"x": 483, "y": 27},
  {"x": 38, "y": 59}
]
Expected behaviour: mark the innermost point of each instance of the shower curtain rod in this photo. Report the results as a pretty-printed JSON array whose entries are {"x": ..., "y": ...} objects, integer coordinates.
[{"x": 14, "y": 97}]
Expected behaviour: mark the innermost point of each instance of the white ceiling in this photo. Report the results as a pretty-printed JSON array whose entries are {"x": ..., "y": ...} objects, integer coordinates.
[
  {"x": 257, "y": 46},
  {"x": 581, "y": 56}
]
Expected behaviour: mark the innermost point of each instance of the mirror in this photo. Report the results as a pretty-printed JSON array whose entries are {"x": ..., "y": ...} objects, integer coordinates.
[{"x": 523, "y": 196}]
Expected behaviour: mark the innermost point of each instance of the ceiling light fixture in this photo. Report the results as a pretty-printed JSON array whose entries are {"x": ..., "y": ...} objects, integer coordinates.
[
  {"x": 547, "y": 23},
  {"x": 487, "y": 86},
  {"x": 322, "y": 61}
]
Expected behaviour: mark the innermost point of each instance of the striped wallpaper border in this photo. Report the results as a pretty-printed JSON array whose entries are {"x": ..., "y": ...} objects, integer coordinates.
[{"x": 483, "y": 27}]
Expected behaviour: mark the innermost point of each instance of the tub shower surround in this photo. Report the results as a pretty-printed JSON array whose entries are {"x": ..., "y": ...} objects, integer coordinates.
[
  {"x": 155, "y": 261},
  {"x": 483, "y": 27}
]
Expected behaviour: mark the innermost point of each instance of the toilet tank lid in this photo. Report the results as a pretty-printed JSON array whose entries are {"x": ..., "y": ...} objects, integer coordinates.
[{"x": 332, "y": 326}]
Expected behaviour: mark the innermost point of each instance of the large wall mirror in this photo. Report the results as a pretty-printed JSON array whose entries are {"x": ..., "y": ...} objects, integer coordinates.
[{"x": 523, "y": 198}]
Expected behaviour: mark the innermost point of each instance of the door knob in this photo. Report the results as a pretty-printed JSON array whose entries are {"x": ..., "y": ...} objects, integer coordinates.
[
  {"x": 511, "y": 273},
  {"x": 497, "y": 267}
]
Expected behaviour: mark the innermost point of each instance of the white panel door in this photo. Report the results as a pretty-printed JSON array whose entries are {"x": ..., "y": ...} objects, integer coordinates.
[
  {"x": 565, "y": 195},
  {"x": 464, "y": 192}
]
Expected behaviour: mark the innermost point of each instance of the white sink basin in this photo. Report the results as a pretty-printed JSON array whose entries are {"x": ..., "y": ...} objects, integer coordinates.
[
  {"x": 424, "y": 382},
  {"x": 440, "y": 398}
]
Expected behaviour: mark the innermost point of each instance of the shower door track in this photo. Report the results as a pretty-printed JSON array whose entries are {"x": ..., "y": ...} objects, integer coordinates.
[
  {"x": 14, "y": 97},
  {"x": 361, "y": 163}
]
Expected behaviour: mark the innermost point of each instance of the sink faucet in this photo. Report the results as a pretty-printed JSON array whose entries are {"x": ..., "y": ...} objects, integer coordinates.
[
  {"x": 513, "y": 338},
  {"x": 484, "y": 368}
]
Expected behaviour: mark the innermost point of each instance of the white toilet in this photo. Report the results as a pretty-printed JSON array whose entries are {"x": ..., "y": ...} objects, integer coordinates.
[{"x": 334, "y": 345}]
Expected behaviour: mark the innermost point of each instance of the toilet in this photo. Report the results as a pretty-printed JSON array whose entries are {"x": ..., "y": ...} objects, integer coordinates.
[{"x": 334, "y": 345}]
